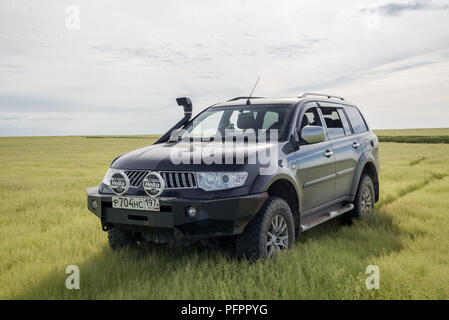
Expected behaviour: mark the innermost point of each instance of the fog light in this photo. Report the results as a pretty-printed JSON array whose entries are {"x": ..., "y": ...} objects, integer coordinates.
[
  {"x": 191, "y": 212},
  {"x": 94, "y": 204}
]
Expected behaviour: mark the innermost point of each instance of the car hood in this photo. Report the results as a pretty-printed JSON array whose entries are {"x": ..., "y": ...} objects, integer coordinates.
[{"x": 168, "y": 156}]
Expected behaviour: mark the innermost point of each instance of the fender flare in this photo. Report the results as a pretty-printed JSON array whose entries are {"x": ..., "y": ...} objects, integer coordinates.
[
  {"x": 364, "y": 159},
  {"x": 263, "y": 183}
]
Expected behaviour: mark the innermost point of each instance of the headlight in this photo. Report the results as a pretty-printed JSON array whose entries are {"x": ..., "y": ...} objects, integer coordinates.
[
  {"x": 108, "y": 175},
  {"x": 210, "y": 181}
]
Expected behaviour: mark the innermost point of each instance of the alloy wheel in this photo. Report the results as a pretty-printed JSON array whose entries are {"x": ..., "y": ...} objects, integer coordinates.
[
  {"x": 367, "y": 201},
  {"x": 277, "y": 238}
]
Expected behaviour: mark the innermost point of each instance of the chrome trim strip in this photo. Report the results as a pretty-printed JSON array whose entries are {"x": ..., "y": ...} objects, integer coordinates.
[
  {"x": 170, "y": 178},
  {"x": 319, "y": 180},
  {"x": 345, "y": 171},
  {"x": 178, "y": 184},
  {"x": 305, "y": 94},
  {"x": 164, "y": 176}
]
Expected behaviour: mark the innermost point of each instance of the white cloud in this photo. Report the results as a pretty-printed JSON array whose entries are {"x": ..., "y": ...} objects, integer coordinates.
[{"x": 121, "y": 71}]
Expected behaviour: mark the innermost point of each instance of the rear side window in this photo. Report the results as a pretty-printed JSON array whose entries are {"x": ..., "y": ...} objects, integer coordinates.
[
  {"x": 344, "y": 121},
  {"x": 333, "y": 122},
  {"x": 357, "y": 122}
]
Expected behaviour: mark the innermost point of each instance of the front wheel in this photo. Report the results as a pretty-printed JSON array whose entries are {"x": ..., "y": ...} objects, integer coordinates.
[{"x": 271, "y": 231}]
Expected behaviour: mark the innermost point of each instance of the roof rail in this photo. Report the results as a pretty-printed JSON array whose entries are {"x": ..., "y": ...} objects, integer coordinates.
[
  {"x": 305, "y": 94},
  {"x": 238, "y": 98}
]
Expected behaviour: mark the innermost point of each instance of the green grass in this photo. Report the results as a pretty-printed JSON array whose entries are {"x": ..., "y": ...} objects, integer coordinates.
[
  {"x": 413, "y": 132},
  {"x": 414, "y": 139},
  {"x": 437, "y": 135},
  {"x": 45, "y": 226}
]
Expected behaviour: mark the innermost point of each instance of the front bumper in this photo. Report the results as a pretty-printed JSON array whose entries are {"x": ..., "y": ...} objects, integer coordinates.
[{"x": 218, "y": 217}]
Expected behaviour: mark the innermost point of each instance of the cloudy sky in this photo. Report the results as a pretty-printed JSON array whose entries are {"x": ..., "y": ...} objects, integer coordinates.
[{"x": 116, "y": 67}]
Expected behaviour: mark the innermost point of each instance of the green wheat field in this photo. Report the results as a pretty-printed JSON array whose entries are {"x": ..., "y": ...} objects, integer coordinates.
[{"x": 45, "y": 226}]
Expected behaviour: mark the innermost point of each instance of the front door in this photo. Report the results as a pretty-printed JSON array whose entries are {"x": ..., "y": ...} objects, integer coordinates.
[{"x": 315, "y": 167}]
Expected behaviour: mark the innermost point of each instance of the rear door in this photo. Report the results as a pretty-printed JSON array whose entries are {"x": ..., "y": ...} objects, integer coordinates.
[
  {"x": 346, "y": 146},
  {"x": 315, "y": 168},
  {"x": 359, "y": 127}
]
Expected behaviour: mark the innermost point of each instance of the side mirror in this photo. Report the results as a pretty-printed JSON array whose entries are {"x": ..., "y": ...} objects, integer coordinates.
[
  {"x": 187, "y": 104},
  {"x": 313, "y": 134}
]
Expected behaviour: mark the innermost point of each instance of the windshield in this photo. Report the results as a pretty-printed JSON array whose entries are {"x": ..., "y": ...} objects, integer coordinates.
[{"x": 239, "y": 121}]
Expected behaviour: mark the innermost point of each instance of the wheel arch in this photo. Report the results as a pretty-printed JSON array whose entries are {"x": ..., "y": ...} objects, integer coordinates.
[
  {"x": 284, "y": 188},
  {"x": 369, "y": 167}
]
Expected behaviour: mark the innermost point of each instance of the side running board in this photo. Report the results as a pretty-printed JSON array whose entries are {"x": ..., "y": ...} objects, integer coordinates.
[{"x": 317, "y": 219}]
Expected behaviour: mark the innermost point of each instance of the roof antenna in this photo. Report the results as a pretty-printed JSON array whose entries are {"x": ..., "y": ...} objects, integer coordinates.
[{"x": 248, "y": 102}]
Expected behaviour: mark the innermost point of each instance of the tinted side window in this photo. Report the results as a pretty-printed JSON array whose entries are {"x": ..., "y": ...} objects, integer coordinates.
[
  {"x": 345, "y": 122},
  {"x": 310, "y": 118},
  {"x": 357, "y": 122},
  {"x": 333, "y": 122}
]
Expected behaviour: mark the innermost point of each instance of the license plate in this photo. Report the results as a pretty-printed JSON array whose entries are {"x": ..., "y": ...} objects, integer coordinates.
[{"x": 136, "y": 203}]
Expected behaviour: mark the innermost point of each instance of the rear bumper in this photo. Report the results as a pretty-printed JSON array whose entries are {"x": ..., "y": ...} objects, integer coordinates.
[{"x": 214, "y": 217}]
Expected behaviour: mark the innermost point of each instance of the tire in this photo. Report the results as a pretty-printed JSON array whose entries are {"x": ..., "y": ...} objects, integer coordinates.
[
  {"x": 119, "y": 239},
  {"x": 255, "y": 240},
  {"x": 364, "y": 198}
]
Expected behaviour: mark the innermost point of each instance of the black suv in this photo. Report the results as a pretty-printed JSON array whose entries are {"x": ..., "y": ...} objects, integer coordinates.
[{"x": 256, "y": 171}]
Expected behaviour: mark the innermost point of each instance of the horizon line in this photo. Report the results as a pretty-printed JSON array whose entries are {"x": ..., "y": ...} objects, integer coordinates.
[{"x": 159, "y": 134}]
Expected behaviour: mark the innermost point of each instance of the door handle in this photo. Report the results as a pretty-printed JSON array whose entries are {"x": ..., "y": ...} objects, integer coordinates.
[
  {"x": 355, "y": 145},
  {"x": 328, "y": 153}
]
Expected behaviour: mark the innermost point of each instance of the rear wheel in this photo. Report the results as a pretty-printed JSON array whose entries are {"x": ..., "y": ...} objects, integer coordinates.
[
  {"x": 119, "y": 239},
  {"x": 271, "y": 231},
  {"x": 364, "y": 198}
]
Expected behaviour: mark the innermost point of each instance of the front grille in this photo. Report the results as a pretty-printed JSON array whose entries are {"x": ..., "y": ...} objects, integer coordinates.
[
  {"x": 135, "y": 177},
  {"x": 172, "y": 179},
  {"x": 178, "y": 180}
]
